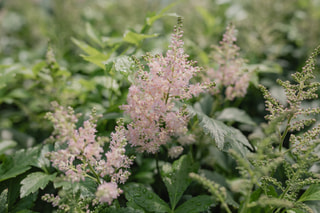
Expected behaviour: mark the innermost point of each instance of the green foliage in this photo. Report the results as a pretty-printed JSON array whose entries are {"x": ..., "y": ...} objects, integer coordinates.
[
  {"x": 143, "y": 197},
  {"x": 225, "y": 137},
  {"x": 176, "y": 178},
  {"x": 312, "y": 193},
  {"x": 18, "y": 164},
  {"x": 234, "y": 162},
  {"x": 34, "y": 181}
]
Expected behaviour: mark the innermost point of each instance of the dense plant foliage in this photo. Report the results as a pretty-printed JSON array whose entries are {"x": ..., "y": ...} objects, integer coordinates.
[{"x": 137, "y": 114}]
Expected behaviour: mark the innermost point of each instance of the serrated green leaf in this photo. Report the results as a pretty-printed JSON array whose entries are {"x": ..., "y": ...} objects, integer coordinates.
[
  {"x": 196, "y": 204},
  {"x": 21, "y": 162},
  {"x": 6, "y": 144},
  {"x": 176, "y": 177},
  {"x": 35, "y": 181},
  {"x": 145, "y": 198},
  {"x": 86, "y": 188},
  {"x": 312, "y": 193},
  {"x": 235, "y": 114},
  {"x": 136, "y": 38},
  {"x": 43, "y": 162},
  {"x": 225, "y": 137},
  {"x": 94, "y": 56},
  {"x": 98, "y": 60}
]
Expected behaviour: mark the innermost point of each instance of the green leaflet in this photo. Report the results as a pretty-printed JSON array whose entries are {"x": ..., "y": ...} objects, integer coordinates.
[
  {"x": 21, "y": 162},
  {"x": 92, "y": 34},
  {"x": 225, "y": 137},
  {"x": 176, "y": 177},
  {"x": 196, "y": 204},
  {"x": 136, "y": 38},
  {"x": 312, "y": 193},
  {"x": 94, "y": 56},
  {"x": 34, "y": 181},
  {"x": 85, "y": 188},
  {"x": 139, "y": 194},
  {"x": 7, "y": 74},
  {"x": 235, "y": 114}
]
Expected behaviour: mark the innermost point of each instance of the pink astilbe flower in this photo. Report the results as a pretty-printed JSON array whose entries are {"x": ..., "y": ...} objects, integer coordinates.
[
  {"x": 152, "y": 95},
  {"x": 229, "y": 74},
  {"x": 107, "y": 192},
  {"x": 84, "y": 156}
]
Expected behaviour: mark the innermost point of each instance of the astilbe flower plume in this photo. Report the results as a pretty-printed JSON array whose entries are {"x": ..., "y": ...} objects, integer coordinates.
[
  {"x": 152, "y": 96},
  {"x": 83, "y": 155},
  {"x": 229, "y": 74}
]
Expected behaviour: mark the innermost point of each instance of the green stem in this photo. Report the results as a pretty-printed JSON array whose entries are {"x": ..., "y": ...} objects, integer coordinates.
[
  {"x": 283, "y": 136},
  {"x": 94, "y": 173}
]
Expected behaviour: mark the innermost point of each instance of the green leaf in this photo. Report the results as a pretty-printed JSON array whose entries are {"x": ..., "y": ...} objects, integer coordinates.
[
  {"x": 176, "y": 177},
  {"x": 235, "y": 114},
  {"x": 3, "y": 201},
  {"x": 92, "y": 34},
  {"x": 34, "y": 181},
  {"x": 136, "y": 38},
  {"x": 25, "y": 203},
  {"x": 145, "y": 198},
  {"x": 196, "y": 204},
  {"x": 43, "y": 162},
  {"x": 21, "y": 162},
  {"x": 94, "y": 56},
  {"x": 113, "y": 209},
  {"x": 6, "y": 144},
  {"x": 7, "y": 74},
  {"x": 225, "y": 137},
  {"x": 86, "y": 188},
  {"x": 151, "y": 19},
  {"x": 38, "y": 67},
  {"x": 312, "y": 193}
]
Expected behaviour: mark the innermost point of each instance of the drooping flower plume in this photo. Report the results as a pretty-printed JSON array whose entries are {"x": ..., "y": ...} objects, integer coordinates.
[{"x": 152, "y": 96}]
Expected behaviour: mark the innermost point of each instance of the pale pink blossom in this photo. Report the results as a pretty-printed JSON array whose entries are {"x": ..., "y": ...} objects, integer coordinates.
[
  {"x": 82, "y": 154},
  {"x": 107, "y": 192},
  {"x": 229, "y": 73},
  {"x": 152, "y": 96}
]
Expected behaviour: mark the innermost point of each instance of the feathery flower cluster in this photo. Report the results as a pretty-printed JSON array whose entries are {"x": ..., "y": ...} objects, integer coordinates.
[
  {"x": 152, "y": 96},
  {"x": 293, "y": 113},
  {"x": 83, "y": 155},
  {"x": 229, "y": 73}
]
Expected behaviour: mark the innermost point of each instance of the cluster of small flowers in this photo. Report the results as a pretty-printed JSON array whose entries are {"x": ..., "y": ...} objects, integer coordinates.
[
  {"x": 152, "y": 96},
  {"x": 229, "y": 73},
  {"x": 83, "y": 156}
]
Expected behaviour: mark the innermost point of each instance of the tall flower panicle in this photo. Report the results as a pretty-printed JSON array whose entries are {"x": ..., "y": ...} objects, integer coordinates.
[
  {"x": 229, "y": 74},
  {"x": 84, "y": 156},
  {"x": 152, "y": 95}
]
